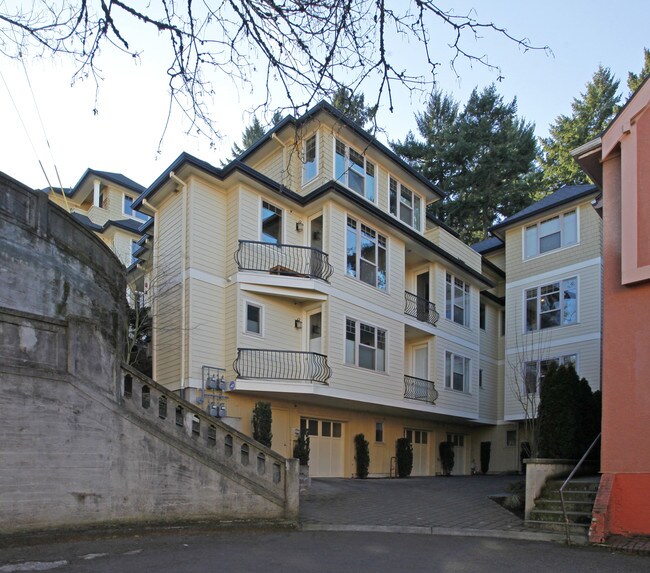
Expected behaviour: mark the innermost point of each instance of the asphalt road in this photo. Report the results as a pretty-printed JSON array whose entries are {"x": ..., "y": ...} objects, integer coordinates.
[{"x": 289, "y": 551}]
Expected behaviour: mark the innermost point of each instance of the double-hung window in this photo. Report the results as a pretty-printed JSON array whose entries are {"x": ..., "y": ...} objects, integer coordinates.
[
  {"x": 253, "y": 319},
  {"x": 309, "y": 160},
  {"x": 271, "y": 223},
  {"x": 456, "y": 372},
  {"x": 404, "y": 204},
  {"x": 551, "y": 305},
  {"x": 353, "y": 170},
  {"x": 551, "y": 234},
  {"x": 365, "y": 345},
  {"x": 366, "y": 254},
  {"x": 457, "y": 300},
  {"x": 535, "y": 371}
]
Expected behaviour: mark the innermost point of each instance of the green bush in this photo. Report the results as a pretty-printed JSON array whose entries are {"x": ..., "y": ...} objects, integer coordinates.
[
  {"x": 485, "y": 456},
  {"x": 301, "y": 448},
  {"x": 567, "y": 414},
  {"x": 362, "y": 455},
  {"x": 446, "y": 457},
  {"x": 262, "y": 421},
  {"x": 404, "y": 455}
]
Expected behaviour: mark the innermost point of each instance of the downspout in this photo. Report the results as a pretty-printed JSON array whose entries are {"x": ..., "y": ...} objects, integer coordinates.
[
  {"x": 184, "y": 226},
  {"x": 154, "y": 309}
]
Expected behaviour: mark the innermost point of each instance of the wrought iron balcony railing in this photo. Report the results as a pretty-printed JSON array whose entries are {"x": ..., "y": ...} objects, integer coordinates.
[
  {"x": 420, "y": 389},
  {"x": 287, "y": 260},
  {"x": 420, "y": 308},
  {"x": 281, "y": 365}
]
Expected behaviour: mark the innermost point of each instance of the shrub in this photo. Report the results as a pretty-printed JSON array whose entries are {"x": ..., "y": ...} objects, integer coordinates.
[
  {"x": 362, "y": 455},
  {"x": 485, "y": 456},
  {"x": 567, "y": 414},
  {"x": 404, "y": 455},
  {"x": 301, "y": 448},
  {"x": 446, "y": 457},
  {"x": 262, "y": 420}
]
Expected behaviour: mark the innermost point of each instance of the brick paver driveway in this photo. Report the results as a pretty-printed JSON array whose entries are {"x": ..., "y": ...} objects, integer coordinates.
[{"x": 459, "y": 502}]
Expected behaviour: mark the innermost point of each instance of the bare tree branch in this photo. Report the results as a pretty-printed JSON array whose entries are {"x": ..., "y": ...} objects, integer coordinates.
[{"x": 310, "y": 48}]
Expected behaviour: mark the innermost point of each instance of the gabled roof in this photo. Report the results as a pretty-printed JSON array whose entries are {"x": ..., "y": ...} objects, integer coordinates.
[
  {"x": 326, "y": 107},
  {"x": 563, "y": 195},
  {"x": 117, "y": 178},
  {"x": 328, "y": 187}
]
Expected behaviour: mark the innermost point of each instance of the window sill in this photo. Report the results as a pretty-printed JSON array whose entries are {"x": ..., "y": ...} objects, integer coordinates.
[
  {"x": 559, "y": 250},
  {"x": 374, "y": 288},
  {"x": 362, "y": 369}
]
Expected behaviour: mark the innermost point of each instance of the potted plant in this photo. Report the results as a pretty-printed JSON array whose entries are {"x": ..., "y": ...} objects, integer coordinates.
[{"x": 301, "y": 451}]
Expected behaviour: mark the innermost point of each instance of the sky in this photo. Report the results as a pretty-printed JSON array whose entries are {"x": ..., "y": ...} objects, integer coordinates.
[{"x": 44, "y": 120}]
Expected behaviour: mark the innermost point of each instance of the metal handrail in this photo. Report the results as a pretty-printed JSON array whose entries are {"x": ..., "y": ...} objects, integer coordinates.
[
  {"x": 420, "y": 389},
  {"x": 420, "y": 308},
  {"x": 261, "y": 364},
  {"x": 566, "y": 482},
  {"x": 286, "y": 260}
]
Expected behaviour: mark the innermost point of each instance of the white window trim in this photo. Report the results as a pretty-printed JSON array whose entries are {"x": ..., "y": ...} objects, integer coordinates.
[
  {"x": 468, "y": 314},
  {"x": 259, "y": 220},
  {"x": 366, "y": 160},
  {"x": 304, "y": 154},
  {"x": 248, "y": 303},
  {"x": 546, "y": 283},
  {"x": 357, "y": 338},
  {"x": 467, "y": 384},
  {"x": 357, "y": 279},
  {"x": 538, "y": 363},
  {"x": 538, "y": 223},
  {"x": 415, "y": 194}
]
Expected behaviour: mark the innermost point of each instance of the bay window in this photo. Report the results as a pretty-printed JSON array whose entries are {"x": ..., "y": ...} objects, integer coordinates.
[
  {"x": 404, "y": 204},
  {"x": 456, "y": 372},
  {"x": 551, "y": 234},
  {"x": 353, "y": 170},
  {"x": 550, "y": 305},
  {"x": 457, "y": 300},
  {"x": 365, "y": 345},
  {"x": 366, "y": 254}
]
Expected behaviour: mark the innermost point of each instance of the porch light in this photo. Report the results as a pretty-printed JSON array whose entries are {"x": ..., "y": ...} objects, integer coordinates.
[
  {"x": 298, "y": 323},
  {"x": 300, "y": 226}
]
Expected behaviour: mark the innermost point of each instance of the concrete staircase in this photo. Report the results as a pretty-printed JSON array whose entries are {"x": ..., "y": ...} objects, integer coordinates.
[{"x": 579, "y": 497}]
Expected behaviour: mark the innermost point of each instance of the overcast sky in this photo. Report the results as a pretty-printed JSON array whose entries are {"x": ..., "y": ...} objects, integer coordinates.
[{"x": 123, "y": 136}]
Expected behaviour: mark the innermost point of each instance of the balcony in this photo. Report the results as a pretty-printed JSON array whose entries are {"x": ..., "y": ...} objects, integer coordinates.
[
  {"x": 285, "y": 260},
  {"x": 420, "y": 389},
  {"x": 281, "y": 365},
  {"x": 420, "y": 308}
]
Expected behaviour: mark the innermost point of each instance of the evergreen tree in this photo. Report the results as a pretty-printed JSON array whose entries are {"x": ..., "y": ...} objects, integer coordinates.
[
  {"x": 591, "y": 114},
  {"x": 353, "y": 106},
  {"x": 481, "y": 156},
  {"x": 252, "y": 133},
  {"x": 635, "y": 80}
]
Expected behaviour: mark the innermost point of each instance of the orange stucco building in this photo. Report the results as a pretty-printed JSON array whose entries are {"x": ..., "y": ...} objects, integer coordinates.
[{"x": 619, "y": 162}]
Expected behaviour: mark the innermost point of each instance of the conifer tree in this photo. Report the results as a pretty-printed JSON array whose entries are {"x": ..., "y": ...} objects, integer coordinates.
[
  {"x": 482, "y": 157},
  {"x": 353, "y": 106},
  {"x": 591, "y": 114},
  {"x": 635, "y": 80}
]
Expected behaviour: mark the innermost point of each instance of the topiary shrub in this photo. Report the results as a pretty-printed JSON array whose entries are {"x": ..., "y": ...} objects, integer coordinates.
[
  {"x": 404, "y": 455},
  {"x": 446, "y": 457},
  {"x": 301, "y": 448},
  {"x": 485, "y": 456},
  {"x": 362, "y": 455},
  {"x": 262, "y": 421}
]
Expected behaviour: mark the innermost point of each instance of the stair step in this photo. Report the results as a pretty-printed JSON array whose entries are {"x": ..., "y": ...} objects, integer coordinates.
[
  {"x": 569, "y": 495},
  {"x": 574, "y": 528},
  {"x": 570, "y": 505},
  {"x": 558, "y": 517},
  {"x": 574, "y": 485}
]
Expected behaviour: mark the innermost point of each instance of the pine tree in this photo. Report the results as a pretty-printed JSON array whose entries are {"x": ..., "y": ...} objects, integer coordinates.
[
  {"x": 252, "y": 133},
  {"x": 591, "y": 113},
  {"x": 353, "y": 106},
  {"x": 481, "y": 157},
  {"x": 635, "y": 80}
]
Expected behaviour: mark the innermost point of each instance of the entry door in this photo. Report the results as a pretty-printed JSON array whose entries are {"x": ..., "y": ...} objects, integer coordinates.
[
  {"x": 326, "y": 447},
  {"x": 281, "y": 441},
  {"x": 419, "y": 440},
  {"x": 458, "y": 441},
  {"x": 421, "y": 372},
  {"x": 422, "y": 290}
]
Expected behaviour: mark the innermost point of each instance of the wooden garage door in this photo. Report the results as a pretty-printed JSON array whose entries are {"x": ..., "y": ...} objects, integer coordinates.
[
  {"x": 326, "y": 447},
  {"x": 420, "y": 442}
]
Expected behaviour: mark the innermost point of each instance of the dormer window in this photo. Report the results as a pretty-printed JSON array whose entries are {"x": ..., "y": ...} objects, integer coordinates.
[
  {"x": 353, "y": 170},
  {"x": 309, "y": 160},
  {"x": 404, "y": 204}
]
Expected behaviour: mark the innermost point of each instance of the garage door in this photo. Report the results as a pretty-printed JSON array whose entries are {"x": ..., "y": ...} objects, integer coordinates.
[{"x": 326, "y": 447}]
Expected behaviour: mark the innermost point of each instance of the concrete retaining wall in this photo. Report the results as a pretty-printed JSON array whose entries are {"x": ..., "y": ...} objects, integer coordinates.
[{"x": 75, "y": 450}]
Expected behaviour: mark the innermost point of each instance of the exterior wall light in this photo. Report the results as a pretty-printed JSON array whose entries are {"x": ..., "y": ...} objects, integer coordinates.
[
  {"x": 300, "y": 226},
  {"x": 298, "y": 323}
]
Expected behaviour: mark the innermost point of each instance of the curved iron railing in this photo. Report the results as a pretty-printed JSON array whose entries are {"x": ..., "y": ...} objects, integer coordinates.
[
  {"x": 420, "y": 389},
  {"x": 287, "y": 260},
  {"x": 420, "y": 308},
  {"x": 281, "y": 365}
]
